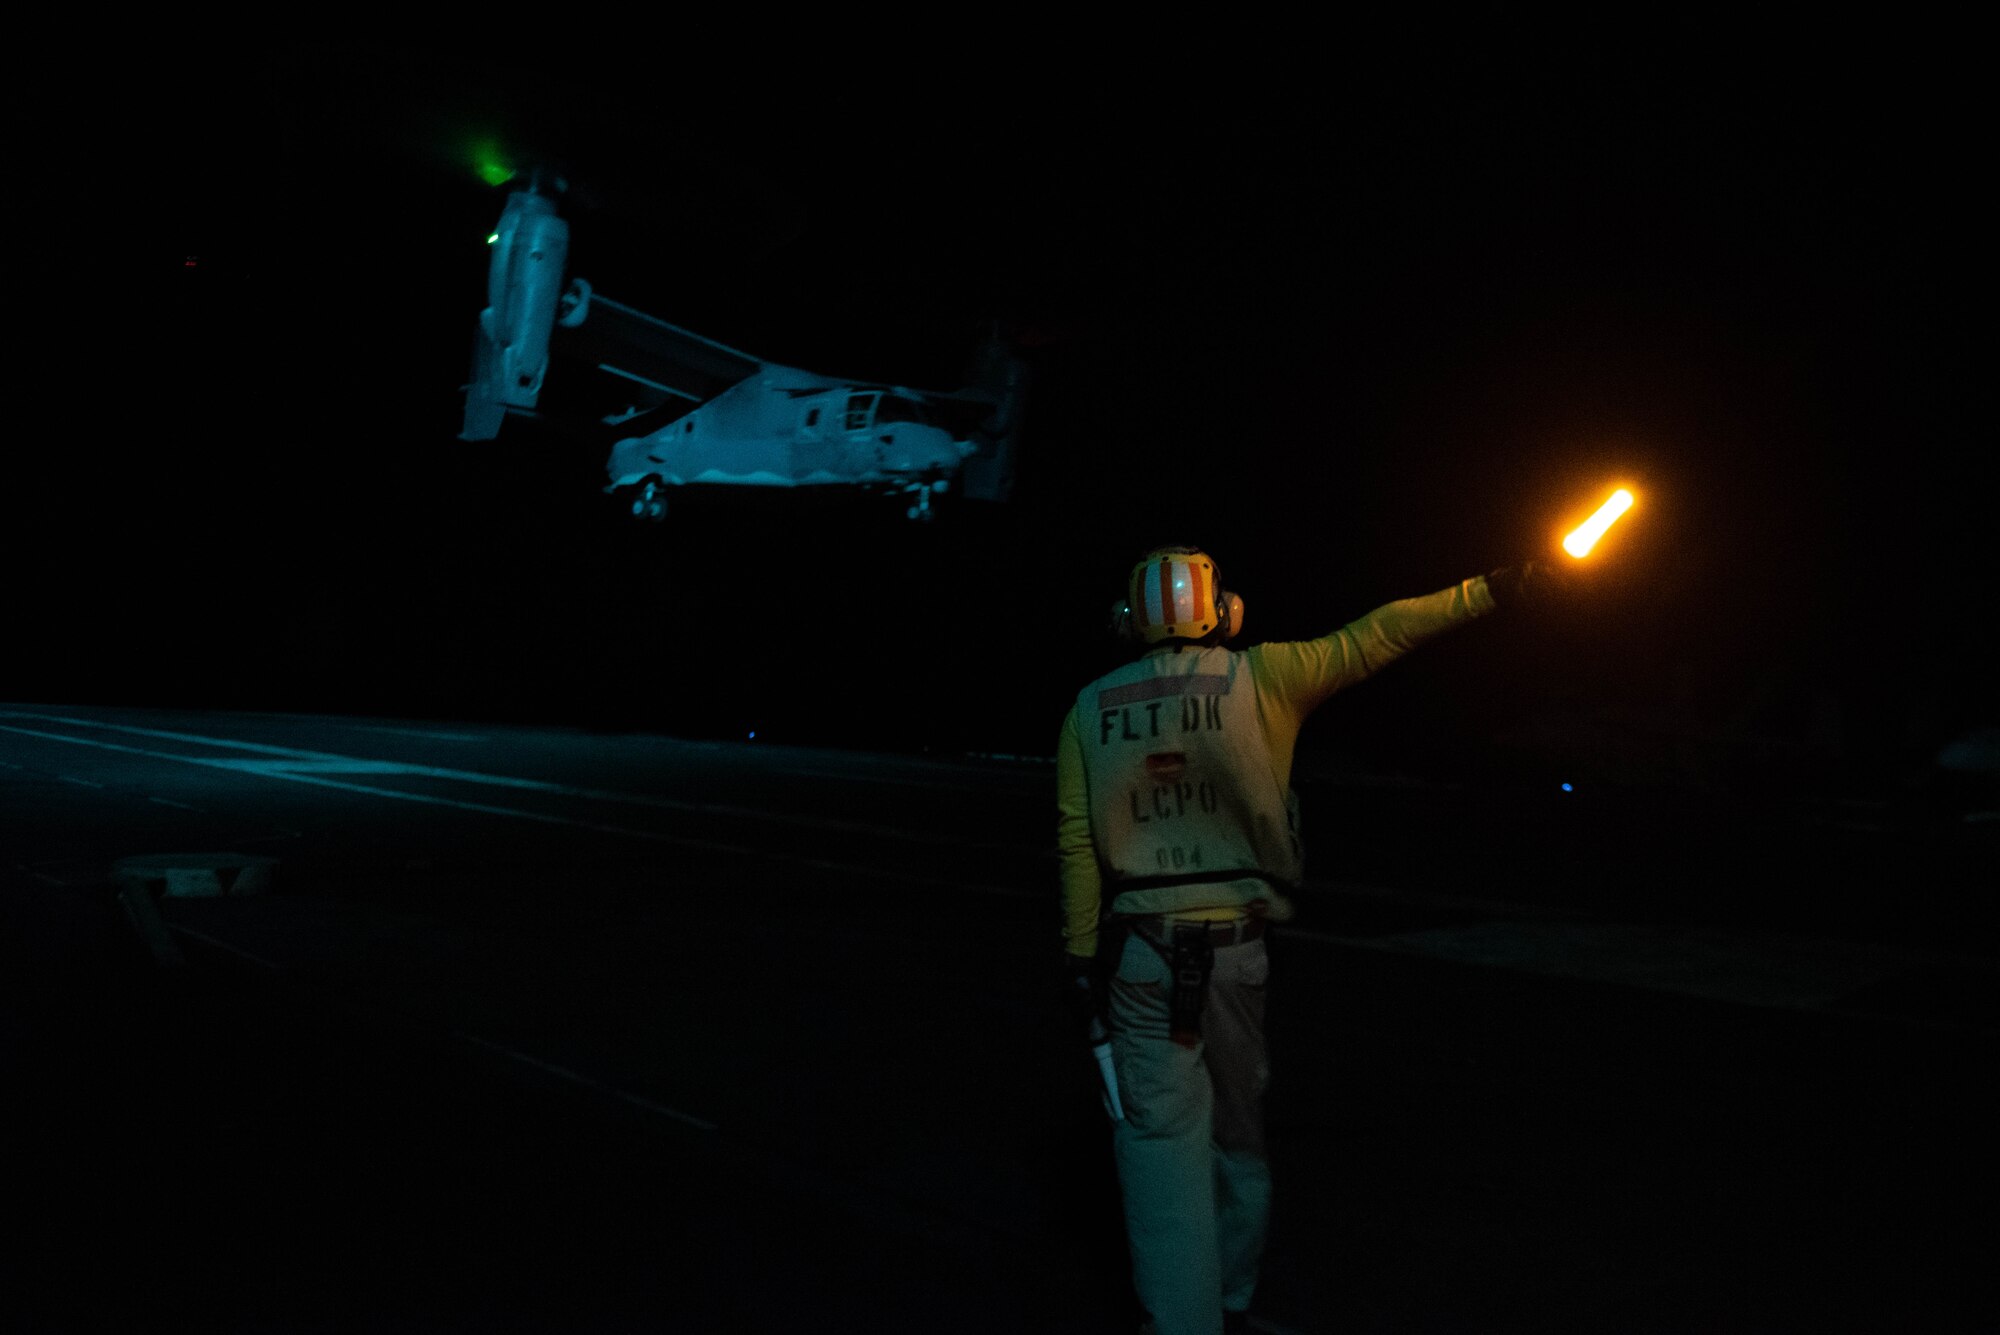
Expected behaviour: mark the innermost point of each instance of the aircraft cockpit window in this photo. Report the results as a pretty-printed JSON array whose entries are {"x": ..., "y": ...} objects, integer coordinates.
[
  {"x": 859, "y": 406},
  {"x": 895, "y": 408}
]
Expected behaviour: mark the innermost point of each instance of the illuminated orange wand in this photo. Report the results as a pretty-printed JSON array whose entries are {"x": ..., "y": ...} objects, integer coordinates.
[{"x": 1585, "y": 536}]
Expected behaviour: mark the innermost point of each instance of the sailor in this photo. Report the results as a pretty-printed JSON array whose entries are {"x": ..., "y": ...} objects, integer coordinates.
[{"x": 1178, "y": 834}]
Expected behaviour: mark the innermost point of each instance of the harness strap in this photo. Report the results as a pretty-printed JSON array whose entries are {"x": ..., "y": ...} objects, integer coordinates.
[{"x": 1112, "y": 888}]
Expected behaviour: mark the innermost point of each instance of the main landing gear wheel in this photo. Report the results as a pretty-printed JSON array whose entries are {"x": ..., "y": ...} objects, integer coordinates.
[
  {"x": 922, "y": 511},
  {"x": 650, "y": 500}
]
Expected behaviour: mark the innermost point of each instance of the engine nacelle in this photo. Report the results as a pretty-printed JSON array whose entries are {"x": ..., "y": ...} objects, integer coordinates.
[{"x": 523, "y": 288}]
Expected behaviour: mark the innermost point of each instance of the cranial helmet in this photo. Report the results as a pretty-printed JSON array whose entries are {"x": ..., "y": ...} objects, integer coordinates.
[{"x": 1176, "y": 593}]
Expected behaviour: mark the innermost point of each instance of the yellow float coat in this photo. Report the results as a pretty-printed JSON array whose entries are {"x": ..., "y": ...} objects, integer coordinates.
[{"x": 1289, "y": 679}]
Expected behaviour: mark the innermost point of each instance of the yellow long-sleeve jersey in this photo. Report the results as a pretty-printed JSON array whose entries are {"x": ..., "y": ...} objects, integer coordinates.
[{"x": 1291, "y": 679}]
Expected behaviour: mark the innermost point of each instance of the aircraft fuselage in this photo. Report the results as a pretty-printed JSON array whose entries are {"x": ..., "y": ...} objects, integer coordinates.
[{"x": 794, "y": 429}]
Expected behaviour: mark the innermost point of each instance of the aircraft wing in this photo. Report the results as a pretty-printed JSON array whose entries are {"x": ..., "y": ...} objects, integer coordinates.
[{"x": 656, "y": 361}]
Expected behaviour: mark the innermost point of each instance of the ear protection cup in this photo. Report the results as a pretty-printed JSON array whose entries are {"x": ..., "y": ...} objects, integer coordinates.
[
  {"x": 1121, "y": 621},
  {"x": 1232, "y": 615}
]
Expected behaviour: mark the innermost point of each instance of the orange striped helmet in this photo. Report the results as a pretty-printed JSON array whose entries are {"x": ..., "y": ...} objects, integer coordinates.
[{"x": 1176, "y": 593}]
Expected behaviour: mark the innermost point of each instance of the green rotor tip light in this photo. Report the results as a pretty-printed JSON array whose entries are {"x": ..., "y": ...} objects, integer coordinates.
[{"x": 489, "y": 163}]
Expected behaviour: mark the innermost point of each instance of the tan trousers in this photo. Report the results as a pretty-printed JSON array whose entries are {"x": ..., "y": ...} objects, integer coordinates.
[{"x": 1191, "y": 1157}]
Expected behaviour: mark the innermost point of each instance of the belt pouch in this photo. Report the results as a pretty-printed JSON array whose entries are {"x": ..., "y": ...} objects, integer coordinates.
[{"x": 1192, "y": 958}]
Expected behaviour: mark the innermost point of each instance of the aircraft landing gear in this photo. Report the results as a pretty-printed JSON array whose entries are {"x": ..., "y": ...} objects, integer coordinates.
[
  {"x": 922, "y": 512},
  {"x": 650, "y": 500}
]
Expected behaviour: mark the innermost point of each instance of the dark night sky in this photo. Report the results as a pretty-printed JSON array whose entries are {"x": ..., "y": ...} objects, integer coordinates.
[{"x": 1361, "y": 323}]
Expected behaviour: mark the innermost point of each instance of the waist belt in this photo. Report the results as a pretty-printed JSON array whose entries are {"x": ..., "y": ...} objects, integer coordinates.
[
  {"x": 1228, "y": 932},
  {"x": 1157, "y": 930}
]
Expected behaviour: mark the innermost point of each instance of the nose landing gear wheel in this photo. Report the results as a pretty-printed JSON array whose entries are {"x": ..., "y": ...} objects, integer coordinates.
[{"x": 650, "y": 501}]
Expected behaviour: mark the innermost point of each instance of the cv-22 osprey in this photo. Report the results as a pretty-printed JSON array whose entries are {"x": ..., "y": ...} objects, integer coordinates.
[{"x": 712, "y": 415}]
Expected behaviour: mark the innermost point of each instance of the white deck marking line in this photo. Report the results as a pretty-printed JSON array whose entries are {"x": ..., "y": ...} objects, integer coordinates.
[
  {"x": 1263, "y": 1327},
  {"x": 1422, "y": 949},
  {"x": 474, "y": 1039},
  {"x": 586, "y": 1081},
  {"x": 601, "y": 827},
  {"x": 411, "y": 732},
  {"x": 168, "y": 736},
  {"x": 901, "y": 781},
  {"x": 1804, "y": 975},
  {"x": 144, "y": 913},
  {"x": 169, "y": 802},
  {"x": 237, "y": 951},
  {"x": 295, "y": 761},
  {"x": 655, "y": 836},
  {"x": 82, "y": 783}
]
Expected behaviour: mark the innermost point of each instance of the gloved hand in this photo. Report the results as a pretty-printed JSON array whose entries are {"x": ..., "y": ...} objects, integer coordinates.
[
  {"x": 1079, "y": 990},
  {"x": 1529, "y": 584}
]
